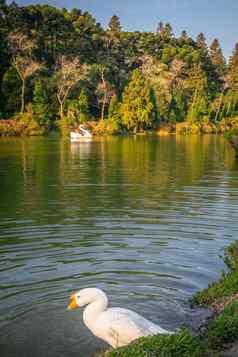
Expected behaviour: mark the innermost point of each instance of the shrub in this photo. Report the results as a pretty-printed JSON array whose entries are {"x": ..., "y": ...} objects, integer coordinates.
[
  {"x": 227, "y": 124},
  {"x": 188, "y": 128},
  {"x": 226, "y": 286},
  {"x": 182, "y": 345},
  {"x": 10, "y": 128},
  {"x": 228, "y": 283},
  {"x": 224, "y": 329},
  {"x": 104, "y": 127},
  {"x": 231, "y": 256},
  {"x": 22, "y": 125}
]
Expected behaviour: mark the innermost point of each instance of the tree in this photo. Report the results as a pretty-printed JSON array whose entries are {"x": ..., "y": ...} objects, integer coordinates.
[
  {"x": 233, "y": 70},
  {"x": 160, "y": 27},
  {"x": 69, "y": 71},
  {"x": 78, "y": 109},
  {"x": 184, "y": 36},
  {"x": 217, "y": 57},
  {"x": 114, "y": 25},
  {"x": 201, "y": 41},
  {"x": 11, "y": 92},
  {"x": 114, "y": 109},
  {"x": 196, "y": 88},
  {"x": 165, "y": 31},
  {"x": 112, "y": 35},
  {"x": 231, "y": 98},
  {"x": 22, "y": 60},
  {"x": 40, "y": 106},
  {"x": 83, "y": 107},
  {"x": 137, "y": 108},
  {"x": 104, "y": 90},
  {"x": 166, "y": 82}
]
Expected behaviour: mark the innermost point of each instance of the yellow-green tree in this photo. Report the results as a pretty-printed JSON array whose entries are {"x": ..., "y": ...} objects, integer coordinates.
[{"x": 138, "y": 105}]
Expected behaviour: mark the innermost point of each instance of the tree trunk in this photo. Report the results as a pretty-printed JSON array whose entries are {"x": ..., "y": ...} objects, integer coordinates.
[
  {"x": 103, "y": 106},
  {"x": 23, "y": 96},
  {"x": 61, "y": 110},
  {"x": 61, "y": 106},
  {"x": 194, "y": 103},
  {"x": 219, "y": 107},
  {"x": 228, "y": 109},
  {"x": 105, "y": 96}
]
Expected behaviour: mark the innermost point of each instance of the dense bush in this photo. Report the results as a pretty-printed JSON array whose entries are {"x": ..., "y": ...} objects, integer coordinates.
[
  {"x": 224, "y": 329},
  {"x": 22, "y": 125}
]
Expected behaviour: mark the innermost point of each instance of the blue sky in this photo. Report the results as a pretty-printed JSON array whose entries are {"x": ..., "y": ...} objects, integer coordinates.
[{"x": 216, "y": 18}]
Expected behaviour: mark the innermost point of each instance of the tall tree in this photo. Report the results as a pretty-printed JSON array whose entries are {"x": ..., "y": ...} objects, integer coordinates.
[
  {"x": 160, "y": 27},
  {"x": 114, "y": 25},
  {"x": 196, "y": 89},
  {"x": 231, "y": 98},
  {"x": 69, "y": 71},
  {"x": 22, "y": 60},
  {"x": 233, "y": 70},
  {"x": 40, "y": 103},
  {"x": 217, "y": 57},
  {"x": 184, "y": 36},
  {"x": 201, "y": 41},
  {"x": 104, "y": 89},
  {"x": 137, "y": 108},
  {"x": 114, "y": 109},
  {"x": 165, "y": 31}
]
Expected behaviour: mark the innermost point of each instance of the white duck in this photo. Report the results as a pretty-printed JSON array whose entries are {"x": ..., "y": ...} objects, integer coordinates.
[{"x": 118, "y": 327}]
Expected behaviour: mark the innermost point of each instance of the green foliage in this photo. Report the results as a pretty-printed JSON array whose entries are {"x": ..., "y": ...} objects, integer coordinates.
[
  {"x": 114, "y": 109},
  {"x": 114, "y": 24},
  {"x": 41, "y": 109},
  {"x": 184, "y": 79},
  {"x": 78, "y": 109},
  {"x": 226, "y": 285},
  {"x": 11, "y": 90},
  {"x": 22, "y": 125},
  {"x": 224, "y": 329},
  {"x": 231, "y": 253},
  {"x": 217, "y": 57},
  {"x": 181, "y": 345},
  {"x": 137, "y": 108}
]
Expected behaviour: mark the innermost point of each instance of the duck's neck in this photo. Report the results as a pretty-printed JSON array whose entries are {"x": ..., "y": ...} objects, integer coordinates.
[{"x": 94, "y": 309}]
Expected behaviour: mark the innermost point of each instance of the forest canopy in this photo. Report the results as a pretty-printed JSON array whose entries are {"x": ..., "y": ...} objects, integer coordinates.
[{"x": 61, "y": 66}]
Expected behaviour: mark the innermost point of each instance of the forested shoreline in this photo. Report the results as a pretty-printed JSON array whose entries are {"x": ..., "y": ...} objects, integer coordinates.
[{"x": 60, "y": 68}]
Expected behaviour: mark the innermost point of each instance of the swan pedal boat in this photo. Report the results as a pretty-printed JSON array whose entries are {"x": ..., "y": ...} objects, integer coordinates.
[{"x": 82, "y": 136}]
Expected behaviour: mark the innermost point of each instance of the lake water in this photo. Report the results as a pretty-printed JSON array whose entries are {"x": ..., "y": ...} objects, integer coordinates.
[{"x": 143, "y": 218}]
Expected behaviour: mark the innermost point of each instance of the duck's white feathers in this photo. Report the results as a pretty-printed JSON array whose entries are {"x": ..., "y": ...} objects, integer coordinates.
[{"x": 119, "y": 327}]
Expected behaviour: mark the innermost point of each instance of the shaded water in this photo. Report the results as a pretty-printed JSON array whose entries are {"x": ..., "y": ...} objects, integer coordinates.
[{"x": 145, "y": 219}]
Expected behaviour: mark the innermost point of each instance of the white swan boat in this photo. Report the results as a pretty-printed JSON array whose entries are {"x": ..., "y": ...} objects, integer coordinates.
[{"x": 82, "y": 135}]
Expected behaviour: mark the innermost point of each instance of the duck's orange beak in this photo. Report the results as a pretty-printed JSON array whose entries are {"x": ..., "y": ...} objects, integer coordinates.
[{"x": 73, "y": 302}]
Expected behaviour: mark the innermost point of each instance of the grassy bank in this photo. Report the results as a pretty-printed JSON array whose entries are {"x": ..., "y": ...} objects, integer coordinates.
[{"x": 220, "y": 335}]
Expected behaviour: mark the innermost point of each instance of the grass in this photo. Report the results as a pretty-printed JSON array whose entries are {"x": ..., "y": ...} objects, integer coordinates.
[
  {"x": 182, "y": 345},
  {"x": 224, "y": 329},
  {"x": 227, "y": 285}
]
